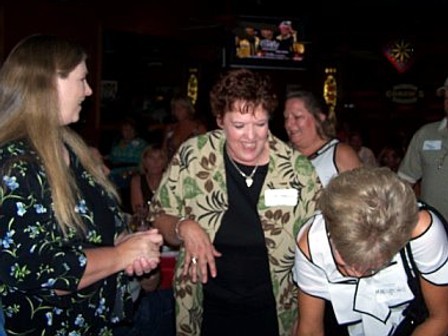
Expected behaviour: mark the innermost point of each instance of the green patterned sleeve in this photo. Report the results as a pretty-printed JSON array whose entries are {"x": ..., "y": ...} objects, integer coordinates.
[{"x": 167, "y": 199}]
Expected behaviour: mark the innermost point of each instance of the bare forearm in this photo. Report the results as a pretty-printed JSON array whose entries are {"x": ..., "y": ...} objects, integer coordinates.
[
  {"x": 101, "y": 263},
  {"x": 311, "y": 316},
  {"x": 136, "y": 253},
  {"x": 166, "y": 226},
  {"x": 305, "y": 332}
]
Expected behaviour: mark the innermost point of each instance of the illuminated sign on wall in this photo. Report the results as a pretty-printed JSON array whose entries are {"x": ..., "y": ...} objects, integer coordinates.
[{"x": 405, "y": 94}]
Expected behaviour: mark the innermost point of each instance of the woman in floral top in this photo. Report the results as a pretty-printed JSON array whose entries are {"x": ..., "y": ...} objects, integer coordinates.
[
  {"x": 236, "y": 198},
  {"x": 61, "y": 251}
]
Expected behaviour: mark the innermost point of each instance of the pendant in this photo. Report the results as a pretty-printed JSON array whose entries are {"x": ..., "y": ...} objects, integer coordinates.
[{"x": 249, "y": 181}]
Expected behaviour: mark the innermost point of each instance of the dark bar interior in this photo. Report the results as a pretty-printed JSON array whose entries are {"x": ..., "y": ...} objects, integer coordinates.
[{"x": 388, "y": 56}]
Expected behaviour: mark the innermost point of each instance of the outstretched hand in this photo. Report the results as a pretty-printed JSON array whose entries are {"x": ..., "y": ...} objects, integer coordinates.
[{"x": 200, "y": 253}]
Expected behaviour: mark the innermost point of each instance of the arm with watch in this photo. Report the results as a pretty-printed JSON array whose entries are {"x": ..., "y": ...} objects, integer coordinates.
[{"x": 199, "y": 250}]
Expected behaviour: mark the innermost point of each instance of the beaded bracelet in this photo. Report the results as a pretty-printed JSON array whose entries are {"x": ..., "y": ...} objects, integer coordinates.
[{"x": 176, "y": 228}]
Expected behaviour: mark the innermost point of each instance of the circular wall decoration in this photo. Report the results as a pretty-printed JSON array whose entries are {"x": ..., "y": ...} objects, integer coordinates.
[{"x": 400, "y": 53}]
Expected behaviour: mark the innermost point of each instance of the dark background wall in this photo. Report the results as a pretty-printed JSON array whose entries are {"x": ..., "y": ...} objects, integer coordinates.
[{"x": 148, "y": 47}]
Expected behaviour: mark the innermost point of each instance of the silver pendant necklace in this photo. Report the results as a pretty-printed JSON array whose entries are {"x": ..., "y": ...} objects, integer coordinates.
[{"x": 248, "y": 178}]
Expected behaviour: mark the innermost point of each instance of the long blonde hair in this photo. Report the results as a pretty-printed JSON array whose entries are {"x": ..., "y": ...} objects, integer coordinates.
[{"x": 29, "y": 110}]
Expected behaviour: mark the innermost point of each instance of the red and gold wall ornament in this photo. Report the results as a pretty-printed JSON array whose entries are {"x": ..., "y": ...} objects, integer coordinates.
[
  {"x": 400, "y": 53},
  {"x": 193, "y": 85},
  {"x": 331, "y": 91}
]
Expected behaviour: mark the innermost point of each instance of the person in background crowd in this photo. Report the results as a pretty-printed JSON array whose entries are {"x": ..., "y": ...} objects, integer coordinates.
[
  {"x": 234, "y": 199},
  {"x": 154, "y": 305},
  {"x": 390, "y": 156},
  {"x": 152, "y": 165},
  {"x": 349, "y": 255},
  {"x": 62, "y": 254},
  {"x": 425, "y": 164},
  {"x": 365, "y": 154},
  {"x": 312, "y": 133},
  {"x": 124, "y": 156},
  {"x": 186, "y": 125}
]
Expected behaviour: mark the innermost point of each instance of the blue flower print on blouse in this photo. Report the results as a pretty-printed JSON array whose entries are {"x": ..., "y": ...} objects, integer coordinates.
[
  {"x": 7, "y": 241},
  {"x": 81, "y": 207},
  {"x": 21, "y": 209},
  {"x": 40, "y": 209},
  {"x": 49, "y": 317},
  {"x": 82, "y": 260},
  {"x": 101, "y": 307},
  {"x": 50, "y": 282},
  {"x": 11, "y": 182},
  {"x": 79, "y": 320},
  {"x": 38, "y": 258}
]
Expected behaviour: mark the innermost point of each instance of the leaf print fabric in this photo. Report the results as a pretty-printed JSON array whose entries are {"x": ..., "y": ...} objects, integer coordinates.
[{"x": 195, "y": 186}]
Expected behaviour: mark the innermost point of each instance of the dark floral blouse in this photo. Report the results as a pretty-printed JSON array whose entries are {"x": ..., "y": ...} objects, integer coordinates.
[{"x": 35, "y": 258}]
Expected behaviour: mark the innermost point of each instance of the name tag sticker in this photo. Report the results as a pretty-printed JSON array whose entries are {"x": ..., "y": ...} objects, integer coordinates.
[
  {"x": 432, "y": 145},
  {"x": 387, "y": 292},
  {"x": 276, "y": 197}
]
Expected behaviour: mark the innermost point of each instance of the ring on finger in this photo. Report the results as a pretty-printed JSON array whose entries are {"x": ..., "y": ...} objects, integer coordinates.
[{"x": 194, "y": 260}]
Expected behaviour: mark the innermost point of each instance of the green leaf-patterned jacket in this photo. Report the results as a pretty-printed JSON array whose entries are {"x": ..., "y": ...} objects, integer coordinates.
[{"x": 194, "y": 185}]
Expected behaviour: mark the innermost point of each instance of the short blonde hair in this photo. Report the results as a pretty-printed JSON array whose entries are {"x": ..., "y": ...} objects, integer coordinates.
[{"x": 370, "y": 214}]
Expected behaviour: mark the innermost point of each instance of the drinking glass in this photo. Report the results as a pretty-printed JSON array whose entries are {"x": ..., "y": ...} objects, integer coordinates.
[{"x": 138, "y": 221}]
